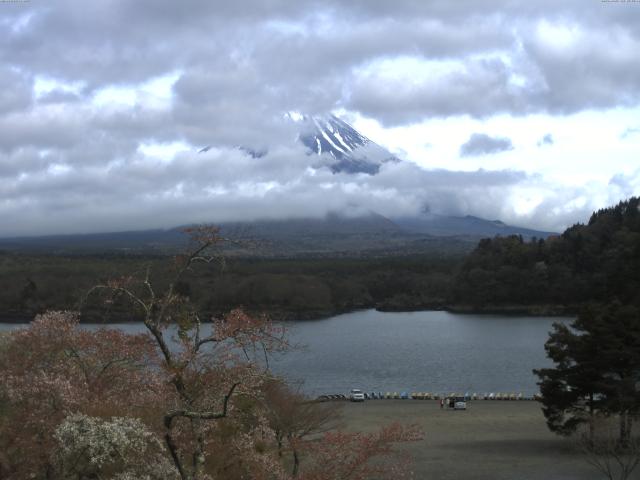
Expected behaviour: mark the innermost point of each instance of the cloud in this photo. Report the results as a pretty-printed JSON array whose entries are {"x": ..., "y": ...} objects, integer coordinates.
[
  {"x": 626, "y": 184},
  {"x": 561, "y": 206},
  {"x": 448, "y": 90},
  {"x": 546, "y": 140},
  {"x": 221, "y": 184},
  {"x": 56, "y": 193},
  {"x": 15, "y": 90},
  {"x": 629, "y": 132},
  {"x": 483, "y": 144},
  {"x": 468, "y": 59},
  {"x": 83, "y": 96}
]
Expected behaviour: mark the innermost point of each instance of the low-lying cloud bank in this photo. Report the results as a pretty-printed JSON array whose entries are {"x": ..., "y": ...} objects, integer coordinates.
[{"x": 230, "y": 185}]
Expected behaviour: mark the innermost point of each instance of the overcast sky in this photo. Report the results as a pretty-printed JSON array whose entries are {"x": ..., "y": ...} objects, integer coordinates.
[{"x": 524, "y": 111}]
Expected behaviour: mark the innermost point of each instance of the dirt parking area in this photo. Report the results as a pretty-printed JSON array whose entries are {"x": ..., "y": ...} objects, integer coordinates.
[{"x": 490, "y": 440}]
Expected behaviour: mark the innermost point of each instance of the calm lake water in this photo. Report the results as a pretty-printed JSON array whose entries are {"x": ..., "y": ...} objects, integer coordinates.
[{"x": 413, "y": 351}]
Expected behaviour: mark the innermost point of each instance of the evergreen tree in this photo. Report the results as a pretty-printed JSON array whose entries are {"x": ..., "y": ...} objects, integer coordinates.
[
  {"x": 617, "y": 328},
  {"x": 570, "y": 390},
  {"x": 597, "y": 369}
]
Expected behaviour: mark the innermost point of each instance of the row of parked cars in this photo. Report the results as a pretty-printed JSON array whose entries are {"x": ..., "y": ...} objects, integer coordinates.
[
  {"x": 438, "y": 396},
  {"x": 454, "y": 401},
  {"x": 357, "y": 395}
]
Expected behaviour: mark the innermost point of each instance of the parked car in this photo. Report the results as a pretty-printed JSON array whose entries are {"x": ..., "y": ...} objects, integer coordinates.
[
  {"x": 356, "y": 395},
  {"x": 460, "y": 403}
]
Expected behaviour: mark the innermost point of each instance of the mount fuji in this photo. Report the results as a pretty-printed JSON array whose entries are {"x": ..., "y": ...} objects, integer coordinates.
[{"x": 350, "y": 151}]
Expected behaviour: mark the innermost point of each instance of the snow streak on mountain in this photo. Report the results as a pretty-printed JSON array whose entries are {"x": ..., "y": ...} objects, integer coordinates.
[{"x": 351, "y": 151}]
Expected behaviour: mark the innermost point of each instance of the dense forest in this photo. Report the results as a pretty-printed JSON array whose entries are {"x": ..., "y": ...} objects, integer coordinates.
[
  {"x": 599, "y": 261},
  {"x": 596, "y": 262},
  {"x": 284, "y": 288}
]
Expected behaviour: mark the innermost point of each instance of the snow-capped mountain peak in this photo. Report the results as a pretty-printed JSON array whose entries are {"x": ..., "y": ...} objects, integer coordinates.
[{"x": 352, "y": 152}]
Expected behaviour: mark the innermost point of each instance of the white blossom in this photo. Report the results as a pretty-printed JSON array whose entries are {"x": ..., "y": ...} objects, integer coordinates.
[{"x": 119, "y": 448}]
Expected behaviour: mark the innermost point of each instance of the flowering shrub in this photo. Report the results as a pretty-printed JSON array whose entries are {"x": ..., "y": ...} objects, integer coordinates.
[{"x": 117, "y": 448}]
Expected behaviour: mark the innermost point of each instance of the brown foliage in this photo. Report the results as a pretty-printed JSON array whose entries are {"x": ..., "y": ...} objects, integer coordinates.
[
  {"x": 53, "y": 368},
  {"x": 359, "y": 456}
]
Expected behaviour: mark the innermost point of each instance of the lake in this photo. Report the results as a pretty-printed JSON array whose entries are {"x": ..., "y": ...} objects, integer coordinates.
[{"x": 430, "y": 351}]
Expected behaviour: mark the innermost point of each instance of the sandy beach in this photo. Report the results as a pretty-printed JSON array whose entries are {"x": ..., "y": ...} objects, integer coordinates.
[{"x": 490, "y": 440}]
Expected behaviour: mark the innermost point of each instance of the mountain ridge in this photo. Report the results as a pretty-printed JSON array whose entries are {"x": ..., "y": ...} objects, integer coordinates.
[{"x": 372, "y": 234}]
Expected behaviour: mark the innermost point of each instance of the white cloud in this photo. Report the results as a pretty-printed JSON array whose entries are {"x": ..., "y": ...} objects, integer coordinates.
[
  {"x": 44, "y": 85},
  {"x": 156, "y": 93},
  {"x": 165, "y": 152}
]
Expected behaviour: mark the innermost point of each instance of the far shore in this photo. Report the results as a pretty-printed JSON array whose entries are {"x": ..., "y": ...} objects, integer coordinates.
[
  {"x": 515, "y": 310},
  {"x": 528, "y": 310}
]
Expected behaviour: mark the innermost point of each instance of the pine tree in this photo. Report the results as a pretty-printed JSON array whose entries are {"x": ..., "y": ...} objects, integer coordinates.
[{"x": 597, "y": 370}]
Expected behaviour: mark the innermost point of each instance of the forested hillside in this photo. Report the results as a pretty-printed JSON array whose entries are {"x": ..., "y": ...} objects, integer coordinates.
[
  {"x": 285, "y": 288},
  {"x": 599, "y": 261}
]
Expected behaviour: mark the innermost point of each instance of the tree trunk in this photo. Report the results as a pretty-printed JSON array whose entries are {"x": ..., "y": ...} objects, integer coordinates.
[
  {"x": 198, "y": 454},
  {"x": 624, "y": 429},
  {"x": 296, "y": 462},
  {"x": 629, "y": 425},
  {"x": 198, "y": 472},
  {"x": 173, "y": 449},
  {"x": 296, "y": 459},
  {"x": 592, "y": 427},
  {"x": 279, "y": 438}
]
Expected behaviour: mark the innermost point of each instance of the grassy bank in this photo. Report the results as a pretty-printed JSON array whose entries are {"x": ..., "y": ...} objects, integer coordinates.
[{"x": 489, "y": 441}]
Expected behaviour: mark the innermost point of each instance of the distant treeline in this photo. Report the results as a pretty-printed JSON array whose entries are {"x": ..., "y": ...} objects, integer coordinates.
[
  {"x": 284, "y": 288},
  {"x": 597, "y": 262}
]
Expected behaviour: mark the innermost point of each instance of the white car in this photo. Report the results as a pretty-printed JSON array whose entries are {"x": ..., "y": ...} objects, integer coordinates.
[
  {"x": 356, "y": 395},
  {"x": 460, "y": 403}
]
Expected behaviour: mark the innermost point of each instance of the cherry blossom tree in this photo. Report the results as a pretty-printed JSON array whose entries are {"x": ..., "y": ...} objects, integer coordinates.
[
  {"x": 52, "y": 369},
  {"x": 217, "y": 373},
  {"x": 206, "y": 366},
  {"x": 294, "y": 418}
]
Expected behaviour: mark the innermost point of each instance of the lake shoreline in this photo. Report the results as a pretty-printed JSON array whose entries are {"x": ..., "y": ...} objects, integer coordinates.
[{"x": 515, "y": 310}]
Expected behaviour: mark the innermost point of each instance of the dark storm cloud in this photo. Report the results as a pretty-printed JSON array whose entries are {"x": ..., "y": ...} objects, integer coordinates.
[
  {"x": 483, "y": 144},
  {"x": 68, "y": 162}
]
